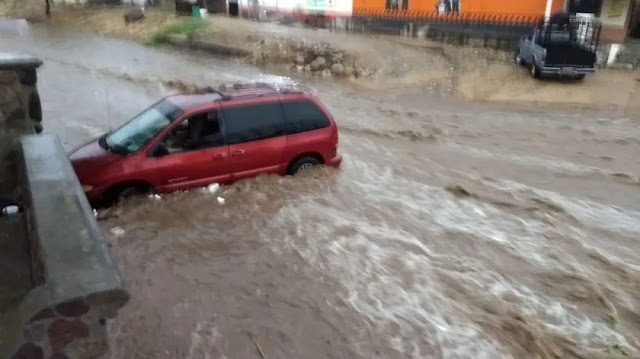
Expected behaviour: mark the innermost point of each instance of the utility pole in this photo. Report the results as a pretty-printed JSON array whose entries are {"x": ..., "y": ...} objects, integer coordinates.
[
  {"x": 48, "y": 9},
  {"x": 547, "y": 10}
]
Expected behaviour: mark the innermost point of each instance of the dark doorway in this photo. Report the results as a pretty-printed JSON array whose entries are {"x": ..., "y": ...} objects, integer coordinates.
[
  {"x": 216, "y": 6},
  {"x": 634, "y": 22},
  {"x": 233, "y": 8},
  {"x": 585, "y": 6}
]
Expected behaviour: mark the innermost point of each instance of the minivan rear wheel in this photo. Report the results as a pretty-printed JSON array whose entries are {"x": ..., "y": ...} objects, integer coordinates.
[{"x": 303, "y": 163}]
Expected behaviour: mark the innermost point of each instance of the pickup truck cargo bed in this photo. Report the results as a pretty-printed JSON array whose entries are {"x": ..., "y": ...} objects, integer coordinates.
[{"x": 563, "y": 54}]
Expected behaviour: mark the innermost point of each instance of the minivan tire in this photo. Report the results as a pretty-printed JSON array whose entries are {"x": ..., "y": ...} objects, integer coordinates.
[
  {"x": 115, "y": 195},
  {"x": 303, "y": 163}
]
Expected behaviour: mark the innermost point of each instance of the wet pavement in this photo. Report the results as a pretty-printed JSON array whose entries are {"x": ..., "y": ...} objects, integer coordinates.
[{"x": 453, "y": 229}]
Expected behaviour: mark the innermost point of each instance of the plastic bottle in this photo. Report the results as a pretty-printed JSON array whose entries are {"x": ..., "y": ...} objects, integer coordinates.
[{"x": 10, "y": 210}]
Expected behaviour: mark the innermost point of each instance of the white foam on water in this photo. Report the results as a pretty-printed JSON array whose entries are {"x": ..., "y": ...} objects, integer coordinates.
[
  {"x": 589, "y": 212},
  {"x": 439, "y": 211},
  {"x": 204, "y": 341},
  {"x": 93, "y": 131},
  {"x": 18, "y": 27},
  {"x": 390, "y": 274},
  {"x": 552, "y": 164}
]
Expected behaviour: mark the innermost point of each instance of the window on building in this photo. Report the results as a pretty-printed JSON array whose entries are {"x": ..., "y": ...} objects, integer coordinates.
[{"x": 397, "y": 4}]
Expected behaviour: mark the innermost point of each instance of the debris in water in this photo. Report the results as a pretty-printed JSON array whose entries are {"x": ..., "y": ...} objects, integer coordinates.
[
  {"x": 220, "y": 200},
  {"x": 117, "y": 231},
  {"x": 95, "y": 213},
  {"x": 213, "y": 188},
  {"x": 255, "y": 342},
  {"x": 155, "y": 196},
  {"x": 9, "y": 210},
  {"x": 458, "y": 191}
]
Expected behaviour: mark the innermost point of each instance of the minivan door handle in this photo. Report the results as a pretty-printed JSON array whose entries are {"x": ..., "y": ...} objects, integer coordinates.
[{"x": 237, "y": 153}]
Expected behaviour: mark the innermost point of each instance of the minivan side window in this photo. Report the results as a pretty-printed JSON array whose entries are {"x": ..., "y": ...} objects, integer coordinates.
[
  {"x": 252, "y": 123},
  {"x": 198, "y": 132},
  {"x": 302, "y": 116}
]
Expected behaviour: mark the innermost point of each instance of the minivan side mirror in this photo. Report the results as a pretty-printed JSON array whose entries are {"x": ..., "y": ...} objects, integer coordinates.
[{"x": 159, "y": 150}]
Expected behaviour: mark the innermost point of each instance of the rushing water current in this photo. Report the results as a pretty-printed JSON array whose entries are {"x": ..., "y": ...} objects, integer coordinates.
[{"x": 453, "y": 229}]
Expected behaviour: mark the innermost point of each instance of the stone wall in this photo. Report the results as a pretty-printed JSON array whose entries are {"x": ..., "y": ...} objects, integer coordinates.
[
  {"x": 74, "y": 329},
  {"x": 19, "y": 102},
  {"x": 20, "y": 114}
]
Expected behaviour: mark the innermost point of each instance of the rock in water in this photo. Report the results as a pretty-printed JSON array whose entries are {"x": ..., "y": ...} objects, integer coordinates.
[
  {"x": 318, "y": 64},
  {"x": 133, "y": 15},
  {"x": 337, "y": 70},
  {"x": 458, "y": 191}
]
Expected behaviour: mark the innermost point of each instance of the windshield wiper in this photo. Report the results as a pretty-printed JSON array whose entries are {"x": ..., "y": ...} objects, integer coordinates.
[
  {"x": 102, "y": 141},
  {"x": 105, "y": 145}
]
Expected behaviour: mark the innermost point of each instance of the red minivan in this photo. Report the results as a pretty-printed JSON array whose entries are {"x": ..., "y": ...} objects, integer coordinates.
[{"x": 214, "y": 136}]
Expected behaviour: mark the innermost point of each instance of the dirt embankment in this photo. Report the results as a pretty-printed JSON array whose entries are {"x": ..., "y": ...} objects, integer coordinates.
[{"x": 376, "y": 61}]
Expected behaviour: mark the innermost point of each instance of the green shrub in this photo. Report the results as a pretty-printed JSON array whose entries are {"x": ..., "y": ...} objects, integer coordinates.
[{"x": 189, "y": 27}]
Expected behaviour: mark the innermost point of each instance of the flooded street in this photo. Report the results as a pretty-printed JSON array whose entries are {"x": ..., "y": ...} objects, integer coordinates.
[{"x": 453, "y": 229}]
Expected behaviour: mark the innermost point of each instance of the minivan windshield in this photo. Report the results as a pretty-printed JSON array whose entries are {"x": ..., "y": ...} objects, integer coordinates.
[{"x": 136, "y": 133}]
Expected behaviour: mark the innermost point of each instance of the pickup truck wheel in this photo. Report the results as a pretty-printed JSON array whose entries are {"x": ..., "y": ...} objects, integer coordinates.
[
  {"x": 535, "y": 72},
  {"x": 518, "y": 59},
  {"x": 580, "y": 77}
]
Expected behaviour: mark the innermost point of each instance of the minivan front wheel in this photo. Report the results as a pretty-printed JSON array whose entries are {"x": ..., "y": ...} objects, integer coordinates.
[
  {"x": 117, "y": 194},
  {"x": 302, "y": 164}
]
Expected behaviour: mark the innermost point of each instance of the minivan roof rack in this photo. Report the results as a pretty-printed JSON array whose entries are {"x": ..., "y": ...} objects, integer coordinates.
[{"x": 250, "y": 89}]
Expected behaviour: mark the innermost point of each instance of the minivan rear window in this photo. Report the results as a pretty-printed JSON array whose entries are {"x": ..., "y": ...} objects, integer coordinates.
[
  {"x": 252, "y": 123},
  {"x": 302, "y": 116}
]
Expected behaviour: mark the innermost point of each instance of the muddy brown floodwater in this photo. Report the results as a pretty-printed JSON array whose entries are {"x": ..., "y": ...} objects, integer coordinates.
[{"x": 453, "y": 230}]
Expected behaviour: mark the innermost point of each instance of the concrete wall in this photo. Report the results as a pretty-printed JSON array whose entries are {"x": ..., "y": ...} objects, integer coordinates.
[
  {"x": 614, "y": 17},
  {"x": 615, "y": 12}
]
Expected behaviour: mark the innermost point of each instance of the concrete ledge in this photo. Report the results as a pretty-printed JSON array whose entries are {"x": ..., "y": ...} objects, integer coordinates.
[
  {"x": 76, "y": 285},
  {"x": 209, "y": 47}
]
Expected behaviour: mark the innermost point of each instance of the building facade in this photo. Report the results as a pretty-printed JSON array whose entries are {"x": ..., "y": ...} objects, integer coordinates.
[{"x": 617, "y": 16}]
